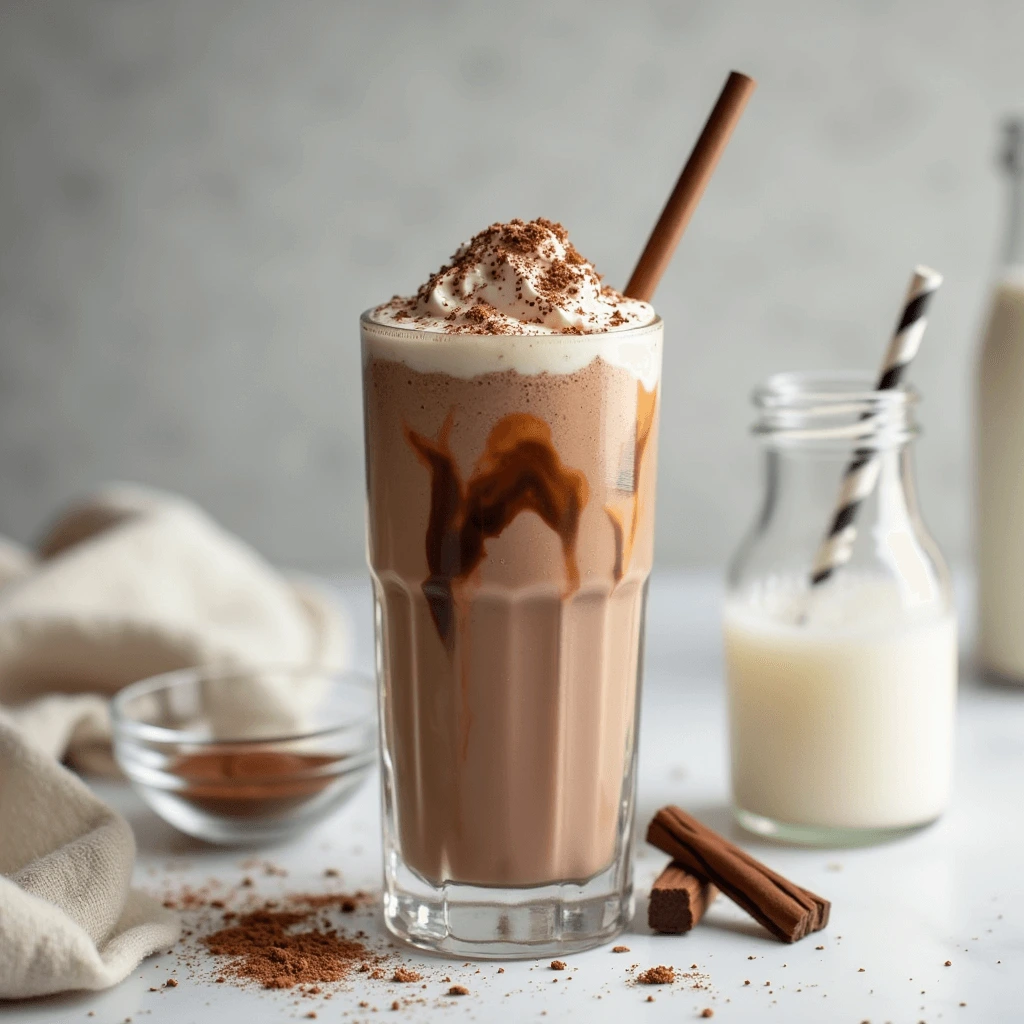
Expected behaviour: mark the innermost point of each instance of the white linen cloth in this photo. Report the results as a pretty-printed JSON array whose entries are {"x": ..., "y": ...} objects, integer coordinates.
[
  {"x": 126, "y": 584},
  {"x": 68, "y": 917}
]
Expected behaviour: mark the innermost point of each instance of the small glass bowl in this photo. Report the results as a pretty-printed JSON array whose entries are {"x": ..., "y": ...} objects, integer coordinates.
[{"x": 241, "y": 757}]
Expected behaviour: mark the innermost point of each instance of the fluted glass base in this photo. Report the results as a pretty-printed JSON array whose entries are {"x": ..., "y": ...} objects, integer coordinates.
[{"x": 493, "y": 923}]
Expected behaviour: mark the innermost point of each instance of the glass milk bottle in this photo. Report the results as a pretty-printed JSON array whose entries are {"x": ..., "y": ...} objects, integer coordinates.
[
  {"x": 841, "y": 694},
  {"x": 999, "y": 444}
]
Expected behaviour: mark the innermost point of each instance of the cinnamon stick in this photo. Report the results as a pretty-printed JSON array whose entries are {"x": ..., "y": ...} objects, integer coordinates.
[
  {"x": 678, "y": 900},
  {"x": 785, "y": 909},
  {"x": 690, "y": 187}
]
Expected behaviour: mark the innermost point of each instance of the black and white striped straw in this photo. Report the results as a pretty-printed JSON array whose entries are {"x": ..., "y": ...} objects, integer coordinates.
[{"x": 862, "y": 473}]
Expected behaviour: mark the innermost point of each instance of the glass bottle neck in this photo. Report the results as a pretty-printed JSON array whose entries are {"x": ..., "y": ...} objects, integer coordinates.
[
  {"x": 1013, "y": 248},
  {"x": 838, "y": 451},
  {"x": 1013, "y": 164}
]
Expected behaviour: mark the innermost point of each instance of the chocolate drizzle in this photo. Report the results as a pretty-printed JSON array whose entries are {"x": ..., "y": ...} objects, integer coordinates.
[
  {"x": 519, "y": 471},
  {"x": 625, "y": 533}
]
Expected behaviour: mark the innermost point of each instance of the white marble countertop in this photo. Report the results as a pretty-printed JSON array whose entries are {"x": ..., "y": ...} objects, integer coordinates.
[{"x": 899, "y": 911}]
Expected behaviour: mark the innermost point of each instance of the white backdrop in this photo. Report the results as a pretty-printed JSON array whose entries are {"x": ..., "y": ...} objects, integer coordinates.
[{"x": 197, "y": 199}]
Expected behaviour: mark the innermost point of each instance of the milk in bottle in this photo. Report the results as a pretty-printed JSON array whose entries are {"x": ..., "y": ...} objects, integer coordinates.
[{"x": 999, "y": 443}]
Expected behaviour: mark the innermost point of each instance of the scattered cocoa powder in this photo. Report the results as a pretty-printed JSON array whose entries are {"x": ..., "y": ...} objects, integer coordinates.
[
  {"x": 264, "y": 947},
  {"x": 287, "y": 943},
  {"x": 659, "y": 975},
  {"x": 347, "y": 903},
  {"x": 188, "y": 899}
]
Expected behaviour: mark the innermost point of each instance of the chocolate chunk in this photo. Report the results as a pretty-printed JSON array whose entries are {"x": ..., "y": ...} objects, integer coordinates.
[{"x": 678, "y": 900}]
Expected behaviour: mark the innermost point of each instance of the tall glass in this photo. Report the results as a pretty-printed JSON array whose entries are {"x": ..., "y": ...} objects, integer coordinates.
[{"x": 510, "y": 484}]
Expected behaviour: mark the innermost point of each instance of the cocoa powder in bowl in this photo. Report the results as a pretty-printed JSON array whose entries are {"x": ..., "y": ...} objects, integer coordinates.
[{"x": 250, "y": 783}]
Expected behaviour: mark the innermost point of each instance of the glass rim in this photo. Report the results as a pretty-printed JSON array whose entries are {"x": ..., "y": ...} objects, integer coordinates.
[
  {"x": 808, "y": 390},
  {"x": 124, "y": 726},
  {"x": 393, "y": 331},
  {"x": 833, "y": 409}
]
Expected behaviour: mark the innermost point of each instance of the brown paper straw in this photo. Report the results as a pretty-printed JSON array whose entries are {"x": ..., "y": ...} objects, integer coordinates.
[{"x": 690, "y": 187}]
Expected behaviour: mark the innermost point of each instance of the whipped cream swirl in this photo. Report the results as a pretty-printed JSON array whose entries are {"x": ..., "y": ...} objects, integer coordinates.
[{"x": 523, "y": 277}]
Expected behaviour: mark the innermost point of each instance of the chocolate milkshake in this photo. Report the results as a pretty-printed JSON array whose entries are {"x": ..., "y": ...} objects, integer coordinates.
[{"x": 511, "y": 435}]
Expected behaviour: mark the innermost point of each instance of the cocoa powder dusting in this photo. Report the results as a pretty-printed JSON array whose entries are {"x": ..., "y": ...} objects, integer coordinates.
[
  {"x": 294, "y": 944},
  {"x": 509, "y": 257},
  {"x": 345, "y": 902},
  {"x": 264, "y": 947}
]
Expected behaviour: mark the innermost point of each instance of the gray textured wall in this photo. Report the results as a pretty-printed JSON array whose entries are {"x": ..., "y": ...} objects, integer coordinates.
[{"x": 198, "y": 198}]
